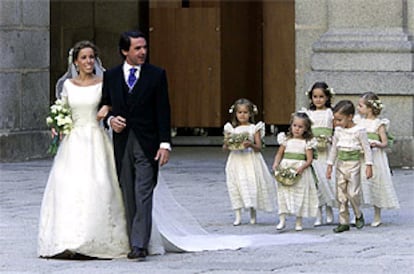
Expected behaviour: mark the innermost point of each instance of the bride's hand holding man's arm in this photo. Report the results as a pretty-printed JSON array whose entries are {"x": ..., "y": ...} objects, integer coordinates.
[
  {"x": 117, "y": 123},
  {"x": 103, "y": 112}
]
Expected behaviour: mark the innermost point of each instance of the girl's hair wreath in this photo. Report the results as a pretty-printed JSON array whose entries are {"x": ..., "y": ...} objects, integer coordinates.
[
  {"x": 330, "y": 90},
  {"x": 254, "y": 107},
  {"x": 377, "y": 104}
]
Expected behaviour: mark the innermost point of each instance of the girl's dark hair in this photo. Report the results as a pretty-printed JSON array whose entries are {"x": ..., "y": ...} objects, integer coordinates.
[
  {"x": 345, "y": 107},
  {"x": 326, "y": 90},
  {"x": 125, "y": 40},
  {"x": 307, "y": 134},
  {"x": 250, "y": 106},
  {"x": 372, "y": 101},
  {"x": 81, "y": 45}
]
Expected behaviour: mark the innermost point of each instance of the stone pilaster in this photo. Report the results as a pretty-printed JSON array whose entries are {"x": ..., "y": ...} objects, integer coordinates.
[
  {"x": 24, "y": 79},
  {"x": 368, "y": 47}
]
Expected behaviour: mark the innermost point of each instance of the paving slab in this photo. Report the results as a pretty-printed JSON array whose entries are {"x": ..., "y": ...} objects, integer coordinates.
[{"x": 196, "y": 178}]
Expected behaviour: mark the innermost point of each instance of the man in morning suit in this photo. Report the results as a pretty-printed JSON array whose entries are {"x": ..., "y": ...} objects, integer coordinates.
[{"x": 140, "y": 119}]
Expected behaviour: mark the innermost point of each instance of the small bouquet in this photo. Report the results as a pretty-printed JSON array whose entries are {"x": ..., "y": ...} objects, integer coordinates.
[
  {"x": 323, "y": 141},
  {"x": 287, "y": 176},
  {"x": 60, "y": 119},
  {"x": 234, "y": 141}
]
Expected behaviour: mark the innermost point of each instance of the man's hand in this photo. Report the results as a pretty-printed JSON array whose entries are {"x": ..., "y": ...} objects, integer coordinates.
[
  {"x": 162, "y": 156},
  {"x": 118, "y": 124}
]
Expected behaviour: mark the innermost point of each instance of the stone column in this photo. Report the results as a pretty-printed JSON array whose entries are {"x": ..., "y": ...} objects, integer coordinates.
[
  {"x": 368, "y": 47},
  {"x": 24, "y": 79}
]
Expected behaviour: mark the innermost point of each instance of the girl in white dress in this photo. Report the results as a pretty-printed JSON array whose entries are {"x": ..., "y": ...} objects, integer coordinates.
[
  {"x": 82, "y": 212},
  {"x": 296, "y": 152},
  {"x": 348, "y": 141},
  {"x": 378, "y": 191},
  {"x": 249, "y": 181},
  {"x": 320, "y": 112}
]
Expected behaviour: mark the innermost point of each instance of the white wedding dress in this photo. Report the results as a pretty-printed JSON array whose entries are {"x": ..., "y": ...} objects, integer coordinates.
[{"x": 82, "y": 209}]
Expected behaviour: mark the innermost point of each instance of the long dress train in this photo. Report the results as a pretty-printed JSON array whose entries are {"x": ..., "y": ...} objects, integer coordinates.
[{"x": 178, "y": 231}]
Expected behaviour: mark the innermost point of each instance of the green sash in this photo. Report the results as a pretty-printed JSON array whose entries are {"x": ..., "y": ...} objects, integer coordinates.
[
  {"x": 376, "y": 137},
  {"x": 319, "y": 131},
  {"x": 301, "y": 156},
  {"x": 294, "y": 156},
  {"x": 373, "y": 136},
  {"x": 391, "y": 139},
  {"x": 352, "y": 155}
]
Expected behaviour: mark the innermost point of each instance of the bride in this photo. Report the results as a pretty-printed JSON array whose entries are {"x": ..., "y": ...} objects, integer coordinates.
[{"x": 82, "y": 212}]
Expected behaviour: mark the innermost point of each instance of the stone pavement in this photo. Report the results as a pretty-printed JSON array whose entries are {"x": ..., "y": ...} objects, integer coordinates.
[{"x": 196, "y": 178}]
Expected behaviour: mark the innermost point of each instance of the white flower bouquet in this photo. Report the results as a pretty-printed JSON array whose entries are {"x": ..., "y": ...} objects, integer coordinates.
[
  {"x": 234, "y": 141},
  {"x": 323, "y": 141},
  {"x": 59, "y": 119},
  {"x": 287, "y": 176}
]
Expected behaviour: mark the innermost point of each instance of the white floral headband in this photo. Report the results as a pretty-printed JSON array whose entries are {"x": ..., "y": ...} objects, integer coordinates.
[
  {"x": 255, "y": 111},
  {"x": 331, "y": 92},
  {"x": 376, "y": 104}
]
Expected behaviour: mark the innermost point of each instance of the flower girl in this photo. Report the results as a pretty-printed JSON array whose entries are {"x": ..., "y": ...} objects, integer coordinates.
[
  {"x": 379, "y": 190},
  {"x": 320, "y": 112},
  {"x": 296, "y": 192},
  {"x": 249, "y": 182}
]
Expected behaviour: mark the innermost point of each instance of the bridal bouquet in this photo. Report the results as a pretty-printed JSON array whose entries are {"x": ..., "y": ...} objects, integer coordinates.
[
  {"x": 286, "y": 176},
  {"x": 234, "y": 141},
  {"x": 60, "y": 119}
]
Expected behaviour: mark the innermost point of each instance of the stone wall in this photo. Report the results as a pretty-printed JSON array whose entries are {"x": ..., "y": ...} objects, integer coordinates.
[
  {"x": 24, "y": 79},
  {"x": 357, "y": 46}
]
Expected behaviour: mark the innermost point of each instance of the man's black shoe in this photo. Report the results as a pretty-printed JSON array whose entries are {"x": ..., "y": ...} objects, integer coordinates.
[
  {"x": 341, "y": 228},
  {"x": 138, "y": 253}
]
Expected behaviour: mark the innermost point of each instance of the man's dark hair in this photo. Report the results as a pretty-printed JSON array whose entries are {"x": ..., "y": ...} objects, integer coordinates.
[{"x": 125, "y": 41}]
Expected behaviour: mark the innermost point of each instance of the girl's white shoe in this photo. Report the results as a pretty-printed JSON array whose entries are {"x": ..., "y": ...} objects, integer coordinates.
[
  {"x": 252, "y": 216},
  {"x": 318, "y": 220},
  {"x": 377, "y": 217},
  {"x": 237, "y": 220},
  {"x": 281, "y": 225},
  {"x": 376, "y": 223},
  {"x": 298, "y": 226},
  {"x": 282, "y": 222},
  {"x": 329, "y": 215}
]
